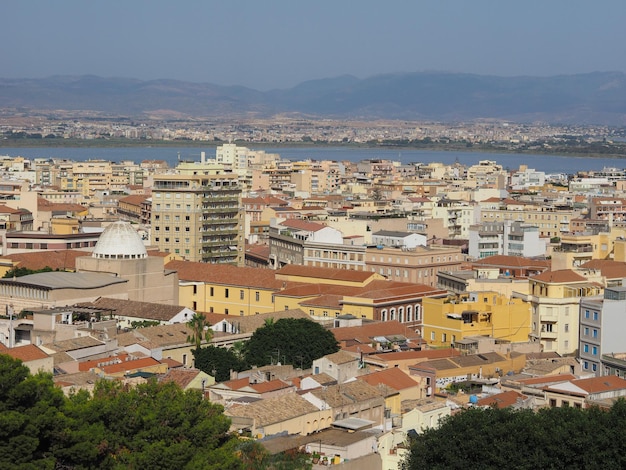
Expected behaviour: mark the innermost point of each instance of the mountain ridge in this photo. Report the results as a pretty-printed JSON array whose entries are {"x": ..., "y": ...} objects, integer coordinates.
[{"x": 591, "y": 98}]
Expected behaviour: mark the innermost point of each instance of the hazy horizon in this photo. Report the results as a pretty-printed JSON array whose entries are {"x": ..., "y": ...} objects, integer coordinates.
[{"x": 279, "y": 44}]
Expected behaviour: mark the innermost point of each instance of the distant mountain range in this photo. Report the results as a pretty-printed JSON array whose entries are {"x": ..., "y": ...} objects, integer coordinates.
[{"x": 593, "y": 98}]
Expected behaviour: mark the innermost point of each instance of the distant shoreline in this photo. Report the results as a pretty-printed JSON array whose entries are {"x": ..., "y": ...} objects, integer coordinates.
[{"x": 617, "y": 151}]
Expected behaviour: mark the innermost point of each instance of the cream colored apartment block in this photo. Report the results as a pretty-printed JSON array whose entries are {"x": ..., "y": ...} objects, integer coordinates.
[{"x": 199, "y": 217}]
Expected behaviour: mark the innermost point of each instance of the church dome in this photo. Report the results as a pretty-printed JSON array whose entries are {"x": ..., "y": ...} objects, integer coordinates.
[{"x": 120, "y": 241}]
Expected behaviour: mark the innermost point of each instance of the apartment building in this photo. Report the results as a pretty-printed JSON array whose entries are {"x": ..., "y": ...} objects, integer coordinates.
[
  {"x": 602, "y": 322},
  {"x": 420, "y": 264},
  {"x": 199, "y": 217},
  {"x": 506, "y": 238},
  {"x": 555, "y": 298},
  {"x": 482, "y": 314},
  {"x": 552, "y": 221}
]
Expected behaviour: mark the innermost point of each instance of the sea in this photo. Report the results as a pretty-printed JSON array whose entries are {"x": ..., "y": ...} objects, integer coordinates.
[{"x": 551, "y": 164}]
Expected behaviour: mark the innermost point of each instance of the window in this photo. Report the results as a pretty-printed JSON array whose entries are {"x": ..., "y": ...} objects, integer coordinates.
[
  {"x": 595, "y": 333},
  {"x": 594, "y": 367},
  {"x": 241, "y": 295},
  {"x": 226, "y": 292},
  {"x": 586, "y": 331},
  {"x": 595, "y": 316},
  {"x": 211, "y": 291},
  {"x": 586, "y": 313},
  {"x": 586, "y": 348},
  {"x": 585, "y": 365},
  {"x": 432, "y": 336},
  {"x": 594, "y": 350},
  {"x": 566, "y": 328},
  {"x": 444, "y": 337},
  {"x": 257, "y": 296},
  {"x": 225, "y": 311}
]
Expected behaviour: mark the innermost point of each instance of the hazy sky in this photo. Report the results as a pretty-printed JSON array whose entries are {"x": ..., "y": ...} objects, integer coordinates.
[{"x": 267, "y": 44}]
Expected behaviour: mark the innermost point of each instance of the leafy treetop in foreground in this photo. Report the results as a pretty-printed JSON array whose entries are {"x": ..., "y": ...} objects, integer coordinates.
[
  {"x": 297, "y": 341},
  {"x": 552, "y": 438}
]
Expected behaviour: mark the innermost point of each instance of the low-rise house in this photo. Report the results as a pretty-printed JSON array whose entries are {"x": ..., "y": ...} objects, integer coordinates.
[
  {"x": 31, "y": 356},
  {"x": 340, "y": 365},
  {"x": 439, "y": 373},
  {"x": 417, "y": 416},
  {"x": 402, "y": 383},
  {"x": 508, "y": 399},
  {"x": 288, "y": 413},
  {"x": 355, "y": 399},
  {"x": 188, "y": 379},
  {"x": 230, "y": 390},
  {"x": 581, "y": 393},
  {"x": 131, "y": 312}
]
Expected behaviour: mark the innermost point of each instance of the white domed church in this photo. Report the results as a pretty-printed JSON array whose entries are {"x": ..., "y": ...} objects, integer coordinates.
[{"x": 121, "y": 253}]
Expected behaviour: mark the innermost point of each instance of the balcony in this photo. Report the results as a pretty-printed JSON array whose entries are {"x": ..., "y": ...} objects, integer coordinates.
[
  {"x": 219, "y": 221},
  {"x": 221, "y": 198},
  {"x": 217, "y": 232},
  {"x": 548, "y": 335}
]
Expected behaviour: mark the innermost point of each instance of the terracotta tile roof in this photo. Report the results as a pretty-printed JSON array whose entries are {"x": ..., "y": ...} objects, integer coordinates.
[
  {"x": 325, "y": 273},
  {"x": 560, "y": 276},
  {"x": 380, "y": 289},
  {"x": 513, "y": 262},
  {"x": 273, "y": 410},
  {"x": 348, "y": 393},
  {"x": 394, "y": 378},
  {"x": 608, "y": 268},
  {"x": 328, "y": 301},
  {"x": 133, "y": 308},
  {"x": 56, "y": 259},
  {"x": 171, "y": 363},
  {"x": 8, "y": 210},
  {"x": 85, "y": 366},
  {"x": 359, "y": 348},
  {"x": 426, "y": 354},
  {"x": 310, "y": 290},
  {"x": 502, "y": 400},
  {"x": 73, "y": 344},
  {"x": 270, "y": 386},
  {"x": 340, "y": 357},
  {"x": 601, "y": 384},
  {"x": 225, "y": 274},
  {"x": 260, "y": 251},
  {"x": 302, "y": 225},
  {"x": 237, "y": 384},
  {"x": 44, "y": 205},
  {"x": 134, "y": 199},
  {"x": 26, "y": 353},
  {"x": 182, "y": 377},
  {"x": 249, "y": 323},
  {"x": 130, "y": 365},
  {"x": 547, "y": 379}
]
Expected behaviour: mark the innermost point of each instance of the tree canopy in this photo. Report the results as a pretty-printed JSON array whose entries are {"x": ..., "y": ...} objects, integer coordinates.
[
  {"x": 297, "y": 341},
  {"x": 201, "y": 330},
  {"x": 552, "y": 438},
  {"x": 218, "y": 362},
  {"x": 150, "y": 426}
]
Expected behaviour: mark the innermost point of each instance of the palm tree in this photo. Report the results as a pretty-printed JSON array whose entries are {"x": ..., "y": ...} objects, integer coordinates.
[{"x": 200, "y": 330}]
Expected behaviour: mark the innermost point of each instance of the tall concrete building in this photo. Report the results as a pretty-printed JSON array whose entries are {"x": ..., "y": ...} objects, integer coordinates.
[{"x": 199, "y": 217}]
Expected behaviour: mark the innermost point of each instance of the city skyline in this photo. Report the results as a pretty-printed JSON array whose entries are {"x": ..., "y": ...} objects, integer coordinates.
[{"x": 281, "y": 44}]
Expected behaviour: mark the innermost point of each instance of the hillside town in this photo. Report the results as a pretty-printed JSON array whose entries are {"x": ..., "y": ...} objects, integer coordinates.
[{"x": 446, "y": 287}]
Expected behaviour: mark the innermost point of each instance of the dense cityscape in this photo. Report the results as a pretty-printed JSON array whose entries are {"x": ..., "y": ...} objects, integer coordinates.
[{"x": 330, "y": 309}]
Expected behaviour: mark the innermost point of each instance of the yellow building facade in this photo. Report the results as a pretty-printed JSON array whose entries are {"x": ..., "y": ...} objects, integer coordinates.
[{"x": 489, "y": 314}]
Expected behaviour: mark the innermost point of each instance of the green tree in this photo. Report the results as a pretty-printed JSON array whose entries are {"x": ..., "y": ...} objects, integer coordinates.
[
  {"x": 552, "y": 438},
  {"x": 218, "y": 362},
  {"x": 31, "y": 416},
  {"x": 290, "y": 341},
  {"x": 200, "y": 330},
  {"x": 151, "y": 426},
  {"x": 19, "y": 272}
]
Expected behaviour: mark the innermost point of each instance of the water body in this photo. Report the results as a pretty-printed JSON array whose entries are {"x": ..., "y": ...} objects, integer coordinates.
[{"x": 546, "y": 163}]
